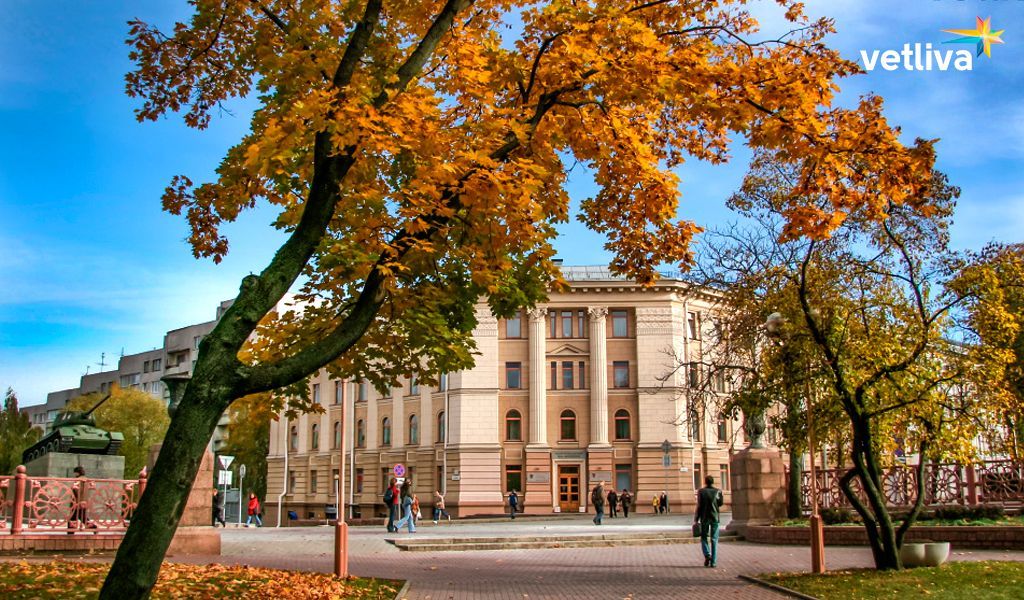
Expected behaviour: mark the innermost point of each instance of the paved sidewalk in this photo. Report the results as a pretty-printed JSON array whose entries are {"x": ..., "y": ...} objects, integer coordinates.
[{"x": 650, "y": 572}]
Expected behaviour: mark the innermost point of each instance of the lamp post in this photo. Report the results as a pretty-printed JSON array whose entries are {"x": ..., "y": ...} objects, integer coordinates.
[
  {"x": 774, "y": 327},
  {"x": 340, "y": 526}
]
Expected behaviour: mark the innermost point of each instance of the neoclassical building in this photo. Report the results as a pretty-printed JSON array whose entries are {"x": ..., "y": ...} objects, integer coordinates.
[{"x": 584, "y": 388}]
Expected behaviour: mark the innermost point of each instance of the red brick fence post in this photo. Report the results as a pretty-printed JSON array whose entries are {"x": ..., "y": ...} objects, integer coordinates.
[{"x": 18, "y": 507}]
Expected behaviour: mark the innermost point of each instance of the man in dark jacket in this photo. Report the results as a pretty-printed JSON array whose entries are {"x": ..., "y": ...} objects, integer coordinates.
[
  {"x": 613, "y": 500},
  {"x": 709, "y": 499},
  {"x": 597, "y": 499},
  {"x": 392, "y": 502}
]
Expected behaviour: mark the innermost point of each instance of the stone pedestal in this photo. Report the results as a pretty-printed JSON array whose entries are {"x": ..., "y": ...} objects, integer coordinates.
[
  {"x": 62, "y": 464},
  {"x": 195, "y": 533},
  {"x": 758, "y": 479}
]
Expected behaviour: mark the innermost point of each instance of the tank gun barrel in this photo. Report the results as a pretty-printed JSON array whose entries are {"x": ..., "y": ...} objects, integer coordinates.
[{"x": 97, "y": 405}]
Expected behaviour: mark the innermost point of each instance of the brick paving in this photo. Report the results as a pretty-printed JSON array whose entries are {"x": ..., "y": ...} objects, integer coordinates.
[{"x": 655, "y": 572}]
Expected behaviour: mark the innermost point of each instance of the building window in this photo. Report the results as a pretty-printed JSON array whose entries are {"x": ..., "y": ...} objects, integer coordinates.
[
  {"x": 622, "y": 424},
  {"x": 554, "y": 375},
  {"x": 385, "y": 432},
  {"x": 145, "y": 367},
  {"x": 567, "y": 375},
  {"x": 294, "y": 443},
  {"x": 698, "y": 479},
  {"x": 196, "y": 340},
  {"x": 722, "y": 429},
  {"x": 693, "y": 374},
  {"x": 339, "y": 392},
  {"x": 312, "y": 482},
  {"x": 620, "y": 371},
  {"x": 291, "y": 481},
  {"x": 316, "y": 393},
  {"x": 359, "y": 481},
  {"x": 719, "y": 380},
  {"x": 513, "y": 478},
  {"x": 314, "y": 437},
  {"x": 441, "y": 430},
  {"x": 362, "y": 391},
  {"x": 567, "y": 323},
  {"x": 514, "y": 375},
  {"x": 439, "y": 479},
  {"x": 725, "y": 476},
  {"x": 693, "y": 325},
  {"x": 157, "y": 363},
  {"x": 414, "y": 429},
  {"x": 553, "y": 324},
  {"x": 624, "y": 476},
  {"x": 620, "y": 323},
  {"x": 514, "y": 326},
  {"x": 583, "y": 375},
  {"x": 360, "y": 433},
  {"x": 696, "y": 425},
  {"x": 414, "y": 385},
  {"x": 581, "y": 323},
  {"x": 337, "y": 435},
  {"x": 568, "y": 425},
  {"x": 513, "y": 426}
]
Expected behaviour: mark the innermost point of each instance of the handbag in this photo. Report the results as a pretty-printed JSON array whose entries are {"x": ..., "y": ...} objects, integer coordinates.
[{"x": 696, "y": 529}]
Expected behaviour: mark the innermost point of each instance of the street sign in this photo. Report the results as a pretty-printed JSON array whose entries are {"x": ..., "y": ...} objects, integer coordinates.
[
  {"x": 225, "y": 460},
  {"x": 224, "y": 477},
  {"x": 241, "y": 470},
  {"x": 399, "y": 470}
]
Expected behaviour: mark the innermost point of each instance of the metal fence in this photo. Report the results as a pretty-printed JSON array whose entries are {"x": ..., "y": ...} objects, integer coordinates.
[
  {"x": 31, "y": 505},
  {"x": 989, "y": 482}
]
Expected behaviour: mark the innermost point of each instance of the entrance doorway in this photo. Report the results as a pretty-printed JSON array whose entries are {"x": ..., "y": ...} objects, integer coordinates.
[{"x": 569, "y": 488}]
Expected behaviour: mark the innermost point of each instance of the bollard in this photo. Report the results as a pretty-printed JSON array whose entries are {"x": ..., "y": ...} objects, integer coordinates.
[{"x": 19, "y": 500}]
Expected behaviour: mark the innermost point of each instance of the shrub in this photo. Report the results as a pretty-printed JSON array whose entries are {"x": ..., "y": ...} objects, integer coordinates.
[{"x": 837, "y": 515}]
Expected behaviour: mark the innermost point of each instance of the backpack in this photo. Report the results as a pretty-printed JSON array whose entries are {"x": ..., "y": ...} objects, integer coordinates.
[{"x": 389, "y": 496}]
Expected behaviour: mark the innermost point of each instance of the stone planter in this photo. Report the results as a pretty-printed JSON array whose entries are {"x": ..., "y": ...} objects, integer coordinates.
[
  {"x": 912, "y": 554},
  {"x": 935, "y": 553}
]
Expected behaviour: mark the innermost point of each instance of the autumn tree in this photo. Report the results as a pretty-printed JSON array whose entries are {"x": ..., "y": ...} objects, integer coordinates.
[
  {"x": 249, "y": 438},
  {"x": 140, "y": 417},
  {"x": 992, "y": 280},
  {"x": 16, "y": 434},
  {"x": 417, "y": 154}
]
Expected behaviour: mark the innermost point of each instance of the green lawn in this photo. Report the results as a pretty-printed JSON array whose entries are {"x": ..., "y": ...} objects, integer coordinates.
[
  {"x": 1012, "y": 521},
  {"x": 75, "y": 580},
  {"x": 989, "y": 580}
]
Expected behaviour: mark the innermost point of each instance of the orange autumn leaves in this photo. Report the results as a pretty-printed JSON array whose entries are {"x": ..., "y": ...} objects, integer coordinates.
[
  {"x": 629, "y": 89},
  {"x": 72, "y": 580}
]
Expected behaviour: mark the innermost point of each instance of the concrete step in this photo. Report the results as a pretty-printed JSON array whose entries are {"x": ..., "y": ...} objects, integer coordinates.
[{"x": 427, "y": 544}]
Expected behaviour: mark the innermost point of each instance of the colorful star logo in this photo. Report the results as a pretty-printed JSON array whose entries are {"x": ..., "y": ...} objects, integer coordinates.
[{"x": 982, "y": 35}]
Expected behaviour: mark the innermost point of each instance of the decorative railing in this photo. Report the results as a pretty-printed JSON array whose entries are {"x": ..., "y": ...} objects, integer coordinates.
[
  {"x": 991, "y": 482},
  {"x": 51, "y": 504}
]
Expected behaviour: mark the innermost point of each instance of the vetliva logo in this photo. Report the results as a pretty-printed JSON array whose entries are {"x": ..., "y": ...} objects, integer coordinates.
[{"x": 923, "y": 57}]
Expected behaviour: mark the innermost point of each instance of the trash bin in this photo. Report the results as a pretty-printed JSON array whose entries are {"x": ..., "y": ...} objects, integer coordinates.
[{"x": 331, "y": 511}]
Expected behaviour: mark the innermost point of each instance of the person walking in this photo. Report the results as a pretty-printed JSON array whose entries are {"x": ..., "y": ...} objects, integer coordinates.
[
  {"x": 407, "y": 514},
  {"x": 625, "y": 499},
  {"x": 218, "y": 509},
  {"x": 709, "y": 499},
  {"x": 597, "y": 499},
  {"x": 663, "y": 503},
  {"x": 613, "y": 500},
  {"x": 416, "y": 514},
  {"x": 656, "y": 503},
  {"x": 253, "y": 511},
  {"x": 79, "y": 519},
  {"x": 513, "y": 504},
  {"x": 439, "y": 507},
  {"x": 391, "y": 500}
]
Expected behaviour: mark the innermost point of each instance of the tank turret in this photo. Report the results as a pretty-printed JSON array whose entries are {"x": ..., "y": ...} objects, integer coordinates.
[{"x": 76, "y": 432}]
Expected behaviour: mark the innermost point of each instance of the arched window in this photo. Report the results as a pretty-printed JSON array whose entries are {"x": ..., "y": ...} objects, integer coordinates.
[
  {"x": 314, "y": 437},
  {"x": 441, "y": 433},
  {"x": 360, "y": 434},
  {"x": 337, "y": 434},
  {"x": 385, "y": 432},
  {"x": 568, "y": 422},
  {"x": 622, "y": 424},
  {"x": 414, "y": 429},
  {"x": 294, "y": 438},
  {"x": 513, "y": 426}
]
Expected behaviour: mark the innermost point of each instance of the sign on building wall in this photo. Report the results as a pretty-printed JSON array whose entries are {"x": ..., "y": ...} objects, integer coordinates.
[{"x": 538, "y": 477}]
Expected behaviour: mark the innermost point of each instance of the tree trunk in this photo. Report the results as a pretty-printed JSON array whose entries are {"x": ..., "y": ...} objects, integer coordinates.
[
  {"x": 154, "y": 522},
  {"x": 794, "y": 508},
  {"x": 877, "y": 521}
]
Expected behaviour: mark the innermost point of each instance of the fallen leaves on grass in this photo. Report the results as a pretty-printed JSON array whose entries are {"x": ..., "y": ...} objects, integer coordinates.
[{"x": 76, "y": 580}]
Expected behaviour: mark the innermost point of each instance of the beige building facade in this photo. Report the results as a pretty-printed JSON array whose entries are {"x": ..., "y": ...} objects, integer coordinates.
[{"x": 584, "y": 388}]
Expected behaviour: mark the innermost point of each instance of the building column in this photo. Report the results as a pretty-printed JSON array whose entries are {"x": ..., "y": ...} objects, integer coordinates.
[
  {"x": 598, "y": 376},
  {"x": 538, "y": 384}
]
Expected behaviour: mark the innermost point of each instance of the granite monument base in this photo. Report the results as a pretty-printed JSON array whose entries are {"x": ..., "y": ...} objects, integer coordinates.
[{"x": 62, "y": 464}]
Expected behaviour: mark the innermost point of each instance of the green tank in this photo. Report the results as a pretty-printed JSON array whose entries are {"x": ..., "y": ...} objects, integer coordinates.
[{"x": 76, "y": 432}]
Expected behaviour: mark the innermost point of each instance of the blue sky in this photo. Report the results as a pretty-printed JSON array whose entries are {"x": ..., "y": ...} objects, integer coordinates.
[{"x": 89, "y": 264}]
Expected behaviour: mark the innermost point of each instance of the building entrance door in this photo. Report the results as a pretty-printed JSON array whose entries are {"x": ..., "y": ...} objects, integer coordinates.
[{"x": 569, "y": 488}]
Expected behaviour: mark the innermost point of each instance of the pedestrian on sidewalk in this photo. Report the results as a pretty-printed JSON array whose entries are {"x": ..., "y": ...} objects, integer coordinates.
[
  {"x": 613, "y": 500},
  {"x": 79, "y": 519},
  {"x": 625, "y": 499},
  {"x": 709, "y": 499},
  {"x": 407, "y": 514},
  {"x": 656, "y": 503},
  {"x": 218, "y": 509},
  {"x": 513, "y": 504},
  {"x": 391, "y": 500},
  {"x": 439, "y": 507},
  {"x": 663, "y": 503},
  {"x": 253, "y": 511},
  {"x": 597, "y": 499},
  {"x": 416, "y": 514}
]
